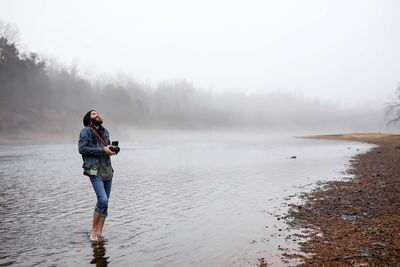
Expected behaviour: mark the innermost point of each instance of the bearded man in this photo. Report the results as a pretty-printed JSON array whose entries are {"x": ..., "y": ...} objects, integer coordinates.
[{"x": 94, "y": 146}]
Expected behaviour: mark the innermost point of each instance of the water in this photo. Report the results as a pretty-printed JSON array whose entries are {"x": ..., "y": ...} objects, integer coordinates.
[{"x": 205, "y": 202}]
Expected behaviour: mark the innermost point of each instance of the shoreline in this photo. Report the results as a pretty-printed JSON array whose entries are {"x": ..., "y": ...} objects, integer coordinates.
[{"x": 355, "y": 221}]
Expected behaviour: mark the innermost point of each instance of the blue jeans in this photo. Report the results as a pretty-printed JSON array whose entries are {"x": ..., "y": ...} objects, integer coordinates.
[{"x": 103, "y": 190}]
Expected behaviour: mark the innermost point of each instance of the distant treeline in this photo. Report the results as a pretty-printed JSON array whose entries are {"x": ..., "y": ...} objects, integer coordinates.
[{"x": 37, "y": 96}]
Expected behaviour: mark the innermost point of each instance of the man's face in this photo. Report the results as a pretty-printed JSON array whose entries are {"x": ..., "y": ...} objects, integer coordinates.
[{"x": 95, "y": 118}]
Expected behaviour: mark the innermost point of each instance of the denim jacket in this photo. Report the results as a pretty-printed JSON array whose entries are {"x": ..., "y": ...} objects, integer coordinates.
[{"x": 91, "y": 150}]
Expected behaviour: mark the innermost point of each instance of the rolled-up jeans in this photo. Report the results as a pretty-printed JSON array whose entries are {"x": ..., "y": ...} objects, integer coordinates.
[{"x": 103, "y": 190}]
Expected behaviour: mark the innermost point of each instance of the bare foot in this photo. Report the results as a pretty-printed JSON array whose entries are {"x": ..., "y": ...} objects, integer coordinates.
[
  {"x": 93, "y": 237},
  {"x": 101, "y": 237}
]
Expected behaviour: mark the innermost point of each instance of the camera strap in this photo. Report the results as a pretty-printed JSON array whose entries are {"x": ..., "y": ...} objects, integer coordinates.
[{"x": 98, "y": 136}]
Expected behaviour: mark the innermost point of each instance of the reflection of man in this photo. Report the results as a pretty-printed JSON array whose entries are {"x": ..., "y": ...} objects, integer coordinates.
[
  {"x": 99, "y": 255},
  {"x": 97, "y": 165}
]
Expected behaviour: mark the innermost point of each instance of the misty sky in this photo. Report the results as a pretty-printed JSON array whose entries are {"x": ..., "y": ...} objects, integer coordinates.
[{"x": 342, "y": 51}]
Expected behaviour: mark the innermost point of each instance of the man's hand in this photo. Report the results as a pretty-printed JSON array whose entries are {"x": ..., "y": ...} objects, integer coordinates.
[{"x": 108, "y": 151}]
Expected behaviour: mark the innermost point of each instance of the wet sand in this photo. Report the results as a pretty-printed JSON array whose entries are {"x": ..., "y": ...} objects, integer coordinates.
[{"x": 354, "y": 222}]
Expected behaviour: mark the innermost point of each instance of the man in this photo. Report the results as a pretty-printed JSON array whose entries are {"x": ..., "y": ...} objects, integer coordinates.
[{"x": 94, "y": 146}]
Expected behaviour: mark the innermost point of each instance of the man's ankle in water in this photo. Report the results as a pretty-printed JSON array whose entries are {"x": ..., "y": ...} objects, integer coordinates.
[{"x": 93, "y": 236}]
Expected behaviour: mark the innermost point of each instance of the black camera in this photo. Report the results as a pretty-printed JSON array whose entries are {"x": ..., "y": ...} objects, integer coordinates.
[{"x": 114, "y": 147}]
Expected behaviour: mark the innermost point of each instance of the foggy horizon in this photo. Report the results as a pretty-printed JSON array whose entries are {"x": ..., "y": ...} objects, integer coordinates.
[
  {"x": 343, "y": 52},
  {"x": 270, "y": 73}
]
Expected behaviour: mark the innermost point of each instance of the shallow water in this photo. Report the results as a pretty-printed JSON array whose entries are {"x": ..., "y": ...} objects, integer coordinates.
[{"x": 205, "y": 202}]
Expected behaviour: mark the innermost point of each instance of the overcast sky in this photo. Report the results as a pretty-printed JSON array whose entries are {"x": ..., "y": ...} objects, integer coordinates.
[{"x": 342, "y": 51}]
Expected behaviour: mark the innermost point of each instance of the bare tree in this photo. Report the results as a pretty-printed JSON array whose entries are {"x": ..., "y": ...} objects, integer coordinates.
[
  {"x": 9, "y": 33},
  {"x": 393, "y": 109}
]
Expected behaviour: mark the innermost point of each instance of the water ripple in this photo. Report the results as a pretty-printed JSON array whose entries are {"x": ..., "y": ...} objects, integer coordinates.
[{"x": 181, "y": 204}]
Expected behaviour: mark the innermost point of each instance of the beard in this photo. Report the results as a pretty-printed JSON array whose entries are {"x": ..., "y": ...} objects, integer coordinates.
[{"x": 97, "y": 122}]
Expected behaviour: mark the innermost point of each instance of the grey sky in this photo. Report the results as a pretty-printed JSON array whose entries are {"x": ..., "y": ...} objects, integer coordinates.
[{"x": 343, "y": 51}]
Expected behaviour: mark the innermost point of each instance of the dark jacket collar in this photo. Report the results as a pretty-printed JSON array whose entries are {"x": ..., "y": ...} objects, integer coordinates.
[{"x": 100, "y": 131}]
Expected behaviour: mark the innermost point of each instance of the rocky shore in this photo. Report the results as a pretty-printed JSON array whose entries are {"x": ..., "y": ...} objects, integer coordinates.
[{"x": 354, "y": 222}]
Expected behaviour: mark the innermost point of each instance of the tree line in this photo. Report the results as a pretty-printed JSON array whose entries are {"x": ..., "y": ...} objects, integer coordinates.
[{"x": 37, "y": 96}]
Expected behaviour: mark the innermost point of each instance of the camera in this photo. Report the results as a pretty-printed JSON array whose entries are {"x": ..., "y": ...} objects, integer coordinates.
[{"x": 114, "y": 147}]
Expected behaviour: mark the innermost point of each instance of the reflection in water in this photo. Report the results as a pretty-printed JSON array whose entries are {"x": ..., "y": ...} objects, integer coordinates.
[
  {"x": 202, "y": 203},
  {"x": 99, "y": 252}
]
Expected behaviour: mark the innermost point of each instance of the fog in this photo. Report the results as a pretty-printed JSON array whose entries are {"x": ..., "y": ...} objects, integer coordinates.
[
  {"x": 344, "y": 51},
  {"x": 44, "y": 93}
]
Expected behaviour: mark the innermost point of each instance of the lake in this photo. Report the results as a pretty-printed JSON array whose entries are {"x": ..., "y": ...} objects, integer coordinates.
[{"x": 174, "y": 202}]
